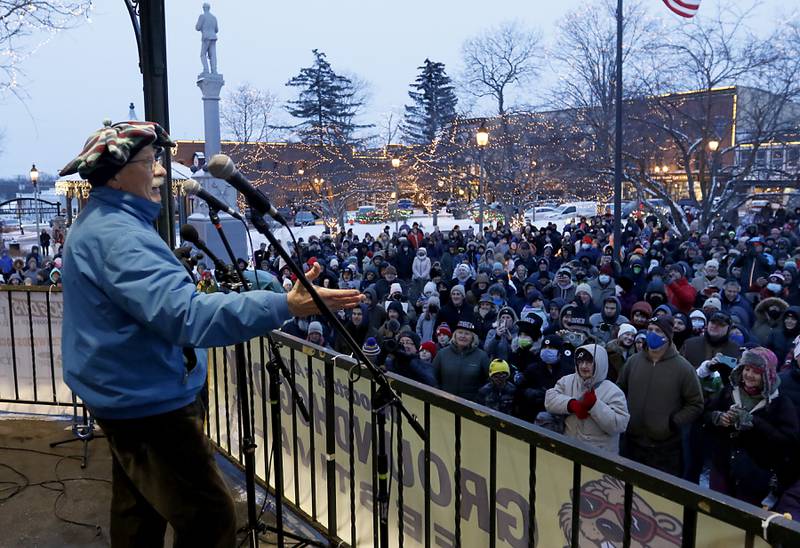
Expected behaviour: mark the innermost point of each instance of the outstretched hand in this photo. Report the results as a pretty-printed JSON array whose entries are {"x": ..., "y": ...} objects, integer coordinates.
[{"x": 301, "y": 304}]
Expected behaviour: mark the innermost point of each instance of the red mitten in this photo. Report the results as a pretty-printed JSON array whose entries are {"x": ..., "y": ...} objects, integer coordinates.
[
  {"x": 576, "y": 407},
  {"x": 573, "y": 406},
  {"x": 588, "y": 400}
]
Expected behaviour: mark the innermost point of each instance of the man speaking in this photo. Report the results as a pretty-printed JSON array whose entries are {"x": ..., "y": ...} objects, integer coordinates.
[{"x": 132, "y": 317}]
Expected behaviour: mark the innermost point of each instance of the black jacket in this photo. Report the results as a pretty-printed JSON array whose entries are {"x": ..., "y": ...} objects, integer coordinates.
[
  {"x": 770, "y": 445},
  {"x": 537, "y": 379}
]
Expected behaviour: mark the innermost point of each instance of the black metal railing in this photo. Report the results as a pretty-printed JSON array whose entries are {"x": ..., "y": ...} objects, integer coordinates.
[
  {"x": 479, "y": 478},
  {"x": 30, "y": 347}
]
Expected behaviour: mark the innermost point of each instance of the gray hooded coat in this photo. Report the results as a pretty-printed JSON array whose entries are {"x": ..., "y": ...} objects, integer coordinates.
[{"x": 608, "y": 417}]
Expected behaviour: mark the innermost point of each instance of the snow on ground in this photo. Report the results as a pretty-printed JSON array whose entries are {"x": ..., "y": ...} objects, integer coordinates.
[{"x": 445, "y": 223}]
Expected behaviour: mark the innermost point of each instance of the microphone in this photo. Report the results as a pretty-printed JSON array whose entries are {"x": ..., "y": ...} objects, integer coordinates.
[
  {"x": 190, "y": 186},
  {"x": 222, "y": 167},
  {"x": 190, "y": 234}
]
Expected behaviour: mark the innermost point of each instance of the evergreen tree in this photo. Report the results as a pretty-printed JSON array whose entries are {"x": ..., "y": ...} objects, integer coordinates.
[
  {"x": 328, "y": 103},
  {"x": 434, "y": 104}
]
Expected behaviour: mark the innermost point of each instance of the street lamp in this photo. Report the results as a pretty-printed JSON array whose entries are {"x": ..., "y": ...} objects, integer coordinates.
[
  {"x": 35, "y": 182},
  {"x": 396, "y": 193},
  {"x": 482, "y": 139},
  {"x": 713, "y": 146}
]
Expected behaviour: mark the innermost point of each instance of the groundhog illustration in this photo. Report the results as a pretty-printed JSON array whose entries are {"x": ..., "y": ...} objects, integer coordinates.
[{"x": 602, "y": 517}]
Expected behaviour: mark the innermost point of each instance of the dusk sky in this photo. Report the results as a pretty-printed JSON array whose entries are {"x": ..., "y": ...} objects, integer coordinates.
[{"x": 79, "y": 77}]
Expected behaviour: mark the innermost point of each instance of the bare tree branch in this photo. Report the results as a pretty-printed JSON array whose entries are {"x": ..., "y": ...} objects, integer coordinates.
[
  {"x": 498, "y": 59},
  {"x": 21, "y": 19},
  {"x": 246, "y": 114}
]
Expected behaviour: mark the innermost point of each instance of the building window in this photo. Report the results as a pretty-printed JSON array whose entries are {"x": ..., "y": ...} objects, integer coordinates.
[
  {"x": 776, "y": 159},
  {"x": 761, "y": 158},
  {"x": 792, "y": 157}
]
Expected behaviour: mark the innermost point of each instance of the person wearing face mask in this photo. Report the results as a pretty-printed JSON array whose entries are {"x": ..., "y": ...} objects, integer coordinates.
[
  {"x": 421, "y": 268},
  {"x": 637, "y": 275},
  {"x": 755, "y": 429},
  {"x": 664, "y": 395},
  {"x": 596, "y": 409},
  {"x": 500, "y": 337},
  {"x": 656, "y": 293},
  {"x": 782, "y": 339},
  {"x": 539, "y": 374},
  {"x": 602, "y": 287},
  {"x": 698, "y": 322},
  {"x": 620, "y": 349},
  {"x": 768, "y": 318},
  {"x": 774, "y": 287}
]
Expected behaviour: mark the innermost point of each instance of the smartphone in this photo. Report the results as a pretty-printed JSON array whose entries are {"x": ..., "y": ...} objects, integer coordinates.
[{"x": 727, "y": 360}]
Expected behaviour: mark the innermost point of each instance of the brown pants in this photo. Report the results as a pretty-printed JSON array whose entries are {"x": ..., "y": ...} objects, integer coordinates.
[{"x": 163, "y": 471}]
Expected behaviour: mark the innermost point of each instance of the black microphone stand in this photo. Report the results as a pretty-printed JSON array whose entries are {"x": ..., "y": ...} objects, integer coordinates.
[
  {"x": 274, "y": 367},
  {"x": 385, "y": 396}
]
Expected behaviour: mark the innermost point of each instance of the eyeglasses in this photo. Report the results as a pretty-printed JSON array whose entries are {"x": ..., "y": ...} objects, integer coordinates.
[
  {"x": 158, "y": 155},
  {"x": 644, "y": 527}
]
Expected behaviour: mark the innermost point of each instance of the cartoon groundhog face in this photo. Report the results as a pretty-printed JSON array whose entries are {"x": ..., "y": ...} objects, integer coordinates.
[{"x": 602, "y": 515}]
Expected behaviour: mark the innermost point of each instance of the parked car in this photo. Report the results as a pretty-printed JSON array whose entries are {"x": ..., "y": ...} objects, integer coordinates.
[
  {"x": 571, "y": 210},
  {"x": 304, "y": 218}
]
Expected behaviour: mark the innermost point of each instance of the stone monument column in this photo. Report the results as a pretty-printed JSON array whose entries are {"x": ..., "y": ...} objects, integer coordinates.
[{"x": 210, "y": 84}]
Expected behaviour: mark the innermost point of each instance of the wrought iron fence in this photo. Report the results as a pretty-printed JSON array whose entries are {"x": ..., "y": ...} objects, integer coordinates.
[{"x": 479, "y": 478}]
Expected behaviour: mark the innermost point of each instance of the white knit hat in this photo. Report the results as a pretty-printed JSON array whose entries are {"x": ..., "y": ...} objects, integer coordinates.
[{"x": 626, "y": 328}]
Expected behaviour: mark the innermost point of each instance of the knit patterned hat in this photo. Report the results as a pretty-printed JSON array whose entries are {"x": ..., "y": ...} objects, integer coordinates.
[
  {"x": 371, "y": 348},
  {"x": 108, "y": 149}
]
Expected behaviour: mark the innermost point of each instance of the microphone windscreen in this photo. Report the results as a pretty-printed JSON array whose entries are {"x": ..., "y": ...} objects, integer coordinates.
[
  {"x": 189, "y": 234},
  {"x": 221, "y": 166},
  {"x": 190, "y": 186}
]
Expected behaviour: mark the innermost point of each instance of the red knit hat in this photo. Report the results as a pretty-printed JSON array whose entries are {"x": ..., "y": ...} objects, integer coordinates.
[
  {"x": 444, "y": 329},
  {"x": 430, "y": 346}
]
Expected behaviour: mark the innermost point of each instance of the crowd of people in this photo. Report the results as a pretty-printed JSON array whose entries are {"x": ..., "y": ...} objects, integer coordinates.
[
  {"x": 36, "y": 267},
  {"x": 681, "y": 353}
]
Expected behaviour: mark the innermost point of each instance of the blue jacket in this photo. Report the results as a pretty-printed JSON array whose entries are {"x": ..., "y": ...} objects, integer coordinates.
[{"x": 130, "y": 307}]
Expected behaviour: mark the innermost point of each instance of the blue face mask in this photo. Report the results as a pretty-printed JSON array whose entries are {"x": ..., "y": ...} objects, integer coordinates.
[
  {"x": 549, "y": 355},
  {"x": 737, "y": 339},
  {"x": 655, "y": 341},
  {"x": 497, "y": 301}
]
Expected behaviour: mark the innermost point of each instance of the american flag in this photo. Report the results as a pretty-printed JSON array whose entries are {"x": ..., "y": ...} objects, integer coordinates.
[{"x": 684, "y": 8}]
